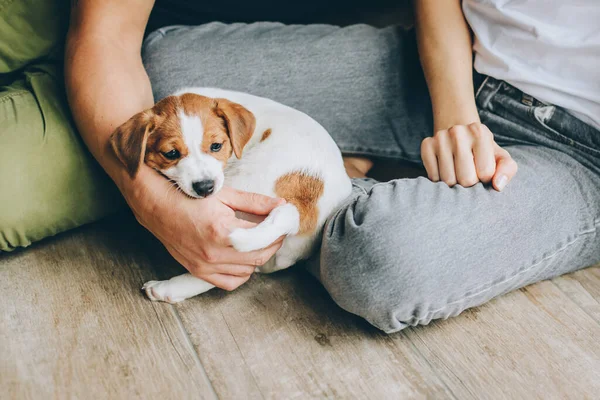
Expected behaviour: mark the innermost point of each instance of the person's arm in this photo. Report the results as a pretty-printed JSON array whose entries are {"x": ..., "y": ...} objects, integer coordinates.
[
  {"x": 105, "y": 79},
  {"x": 462, "y": 150},
  {"x": 106, "y": 85}
]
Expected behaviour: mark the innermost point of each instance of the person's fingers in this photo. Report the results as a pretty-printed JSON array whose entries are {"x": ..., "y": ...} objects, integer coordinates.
[
  {"x": 464, "y": 165},
  {"x": 445, "y": 158},
  {"x": 483, "y": 152},
  {"x": 231, "y": 269},
  {"x": 229, "y": 277},
  {"x": 201, "y": 269},
  {"x": 429, "y": 158},
  {"x": 257, "y": 219},
  {"x": 234, "y": 276},
  {"x": 241, "y": 223},
  {"x": 255, "y": 258},
  {"x": 506, "y": 168},
  {"x": 226, "y": 282},
  {"x": 217, "y": 233},
  {"x": 253, "y": 203}
]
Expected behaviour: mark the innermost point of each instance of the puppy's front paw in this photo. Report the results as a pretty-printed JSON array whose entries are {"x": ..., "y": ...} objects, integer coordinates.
[
  {"x": 159, "y": 291},
  {"x": 244, "y": 240}
]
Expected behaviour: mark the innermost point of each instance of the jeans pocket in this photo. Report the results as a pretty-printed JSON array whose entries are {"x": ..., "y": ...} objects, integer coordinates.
[{"x": 559, "y": 125}]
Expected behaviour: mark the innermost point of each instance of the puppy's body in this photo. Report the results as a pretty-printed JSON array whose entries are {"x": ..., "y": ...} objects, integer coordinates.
[
  {"x": 285, "y": 154},
  {"x": 294, "y": 144}
]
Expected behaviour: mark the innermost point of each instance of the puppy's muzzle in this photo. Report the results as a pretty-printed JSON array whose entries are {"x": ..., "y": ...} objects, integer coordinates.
[{"x": 204, "y": 188}]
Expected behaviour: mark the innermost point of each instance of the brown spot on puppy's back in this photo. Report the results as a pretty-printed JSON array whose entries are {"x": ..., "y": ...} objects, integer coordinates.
[
  {"x": 265, "y": 135},
  {"x": 303, "y": 191}
]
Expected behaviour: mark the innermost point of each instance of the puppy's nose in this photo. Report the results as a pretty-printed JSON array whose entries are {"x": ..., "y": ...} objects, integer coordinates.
[{"x": 204, "y": 188}]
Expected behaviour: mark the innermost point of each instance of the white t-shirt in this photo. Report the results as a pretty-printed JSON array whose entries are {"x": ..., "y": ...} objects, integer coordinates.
[{"x": 549, "y": 49}]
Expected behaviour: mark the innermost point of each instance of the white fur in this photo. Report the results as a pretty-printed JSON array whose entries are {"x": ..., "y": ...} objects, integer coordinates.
[
  {"x": 297, "y": 143},
  {"x": 176, "y": 289},
  {"x": 283, "y": 220}
]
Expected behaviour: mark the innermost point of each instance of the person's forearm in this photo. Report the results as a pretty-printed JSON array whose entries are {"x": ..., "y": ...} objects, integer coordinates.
[
  {"x": 106, "y": 85},
  {"x": 445, "y": 49}
]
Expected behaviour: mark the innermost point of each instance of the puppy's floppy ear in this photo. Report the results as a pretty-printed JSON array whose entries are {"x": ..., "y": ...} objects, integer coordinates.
[
  {"x": 129, "y": 140},
  {"x": 240, "y": 123}
]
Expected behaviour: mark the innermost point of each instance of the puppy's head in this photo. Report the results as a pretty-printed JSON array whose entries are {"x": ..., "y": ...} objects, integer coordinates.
[{"x": 187, "y": 138}]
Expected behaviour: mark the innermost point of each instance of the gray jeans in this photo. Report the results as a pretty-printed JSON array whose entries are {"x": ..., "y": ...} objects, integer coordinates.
[{"x": 404, "y": 252}]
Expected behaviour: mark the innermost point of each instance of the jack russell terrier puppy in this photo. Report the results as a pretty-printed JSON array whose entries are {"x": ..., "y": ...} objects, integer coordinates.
[{"x": 196, "y": 138}]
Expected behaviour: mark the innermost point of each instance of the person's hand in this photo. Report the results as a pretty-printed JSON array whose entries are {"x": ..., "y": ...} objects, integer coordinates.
[
  {"x": 466, "y": 155},
  {"x": 195, "y": 231}
]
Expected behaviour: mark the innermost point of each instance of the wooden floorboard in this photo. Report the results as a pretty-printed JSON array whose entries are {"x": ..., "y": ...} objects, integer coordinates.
[
  {"x": 282, "y": 337},
  {"x": 532, "y": 343},
  {"x": 583, "y": 288},
  {"x": 73, "y": 324}
]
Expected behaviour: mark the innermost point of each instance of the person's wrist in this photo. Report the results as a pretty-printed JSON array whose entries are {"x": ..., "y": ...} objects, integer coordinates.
[
  {"x": 135, "y": 191},
  {"x": 458, "y": 113},
  {"x": 447, "y": 122},
  {"x": 138, "y": 191},
  {"x": 132, "y": 189}
]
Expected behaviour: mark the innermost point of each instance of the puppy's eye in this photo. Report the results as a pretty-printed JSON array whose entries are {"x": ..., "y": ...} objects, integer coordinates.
[
  {"x": 172, "y": 155},
  {"x": 216, "y": 147}
]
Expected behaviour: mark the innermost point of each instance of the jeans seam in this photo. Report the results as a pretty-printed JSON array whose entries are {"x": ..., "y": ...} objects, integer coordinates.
[
  {"x": 542, "y": 124},
  {"x": 480, "y": 88},
  {"x": 362, "y": 189},
  {"x": 159, "y": 33},
  {"x": 588, "y": 231},
  {"x": 488, "y": 87}
]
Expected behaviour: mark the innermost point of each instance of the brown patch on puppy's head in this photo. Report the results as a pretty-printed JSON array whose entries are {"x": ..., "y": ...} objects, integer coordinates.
[
  {"x": 240, "y": 124},
  {"x": 166, "y": 137},
  {"x": 129, "y": 140},
  {"x": 148, "y": 136},
  {"x": 224, "y": 122},
  {"x": 217, "y": 137},
  {"x": 215, "y": 132}
]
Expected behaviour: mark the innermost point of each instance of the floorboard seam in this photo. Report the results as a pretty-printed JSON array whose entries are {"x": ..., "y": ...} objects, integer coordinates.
[
  {"x": 186, "y": 338},
  {"x": 433, "y": 369},
  {"x": 192, "y": 349},
  {"x": 242, "y": 355}
]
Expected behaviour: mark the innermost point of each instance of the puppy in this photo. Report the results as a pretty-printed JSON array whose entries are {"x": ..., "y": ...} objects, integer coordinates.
[{"x": 205, "y": 138}]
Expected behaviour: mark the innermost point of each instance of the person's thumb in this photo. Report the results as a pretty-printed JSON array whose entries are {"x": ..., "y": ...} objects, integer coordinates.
[{"x": 506, "y": 168}]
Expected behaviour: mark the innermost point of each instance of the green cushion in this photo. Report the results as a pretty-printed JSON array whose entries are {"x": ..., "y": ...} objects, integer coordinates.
[
  {"x": 31, "y": 30},
  {"x": 48, "y": 181}
]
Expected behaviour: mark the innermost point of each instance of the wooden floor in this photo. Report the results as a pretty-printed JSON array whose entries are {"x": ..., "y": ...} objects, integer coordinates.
[{"x": 74, "y": 324}]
